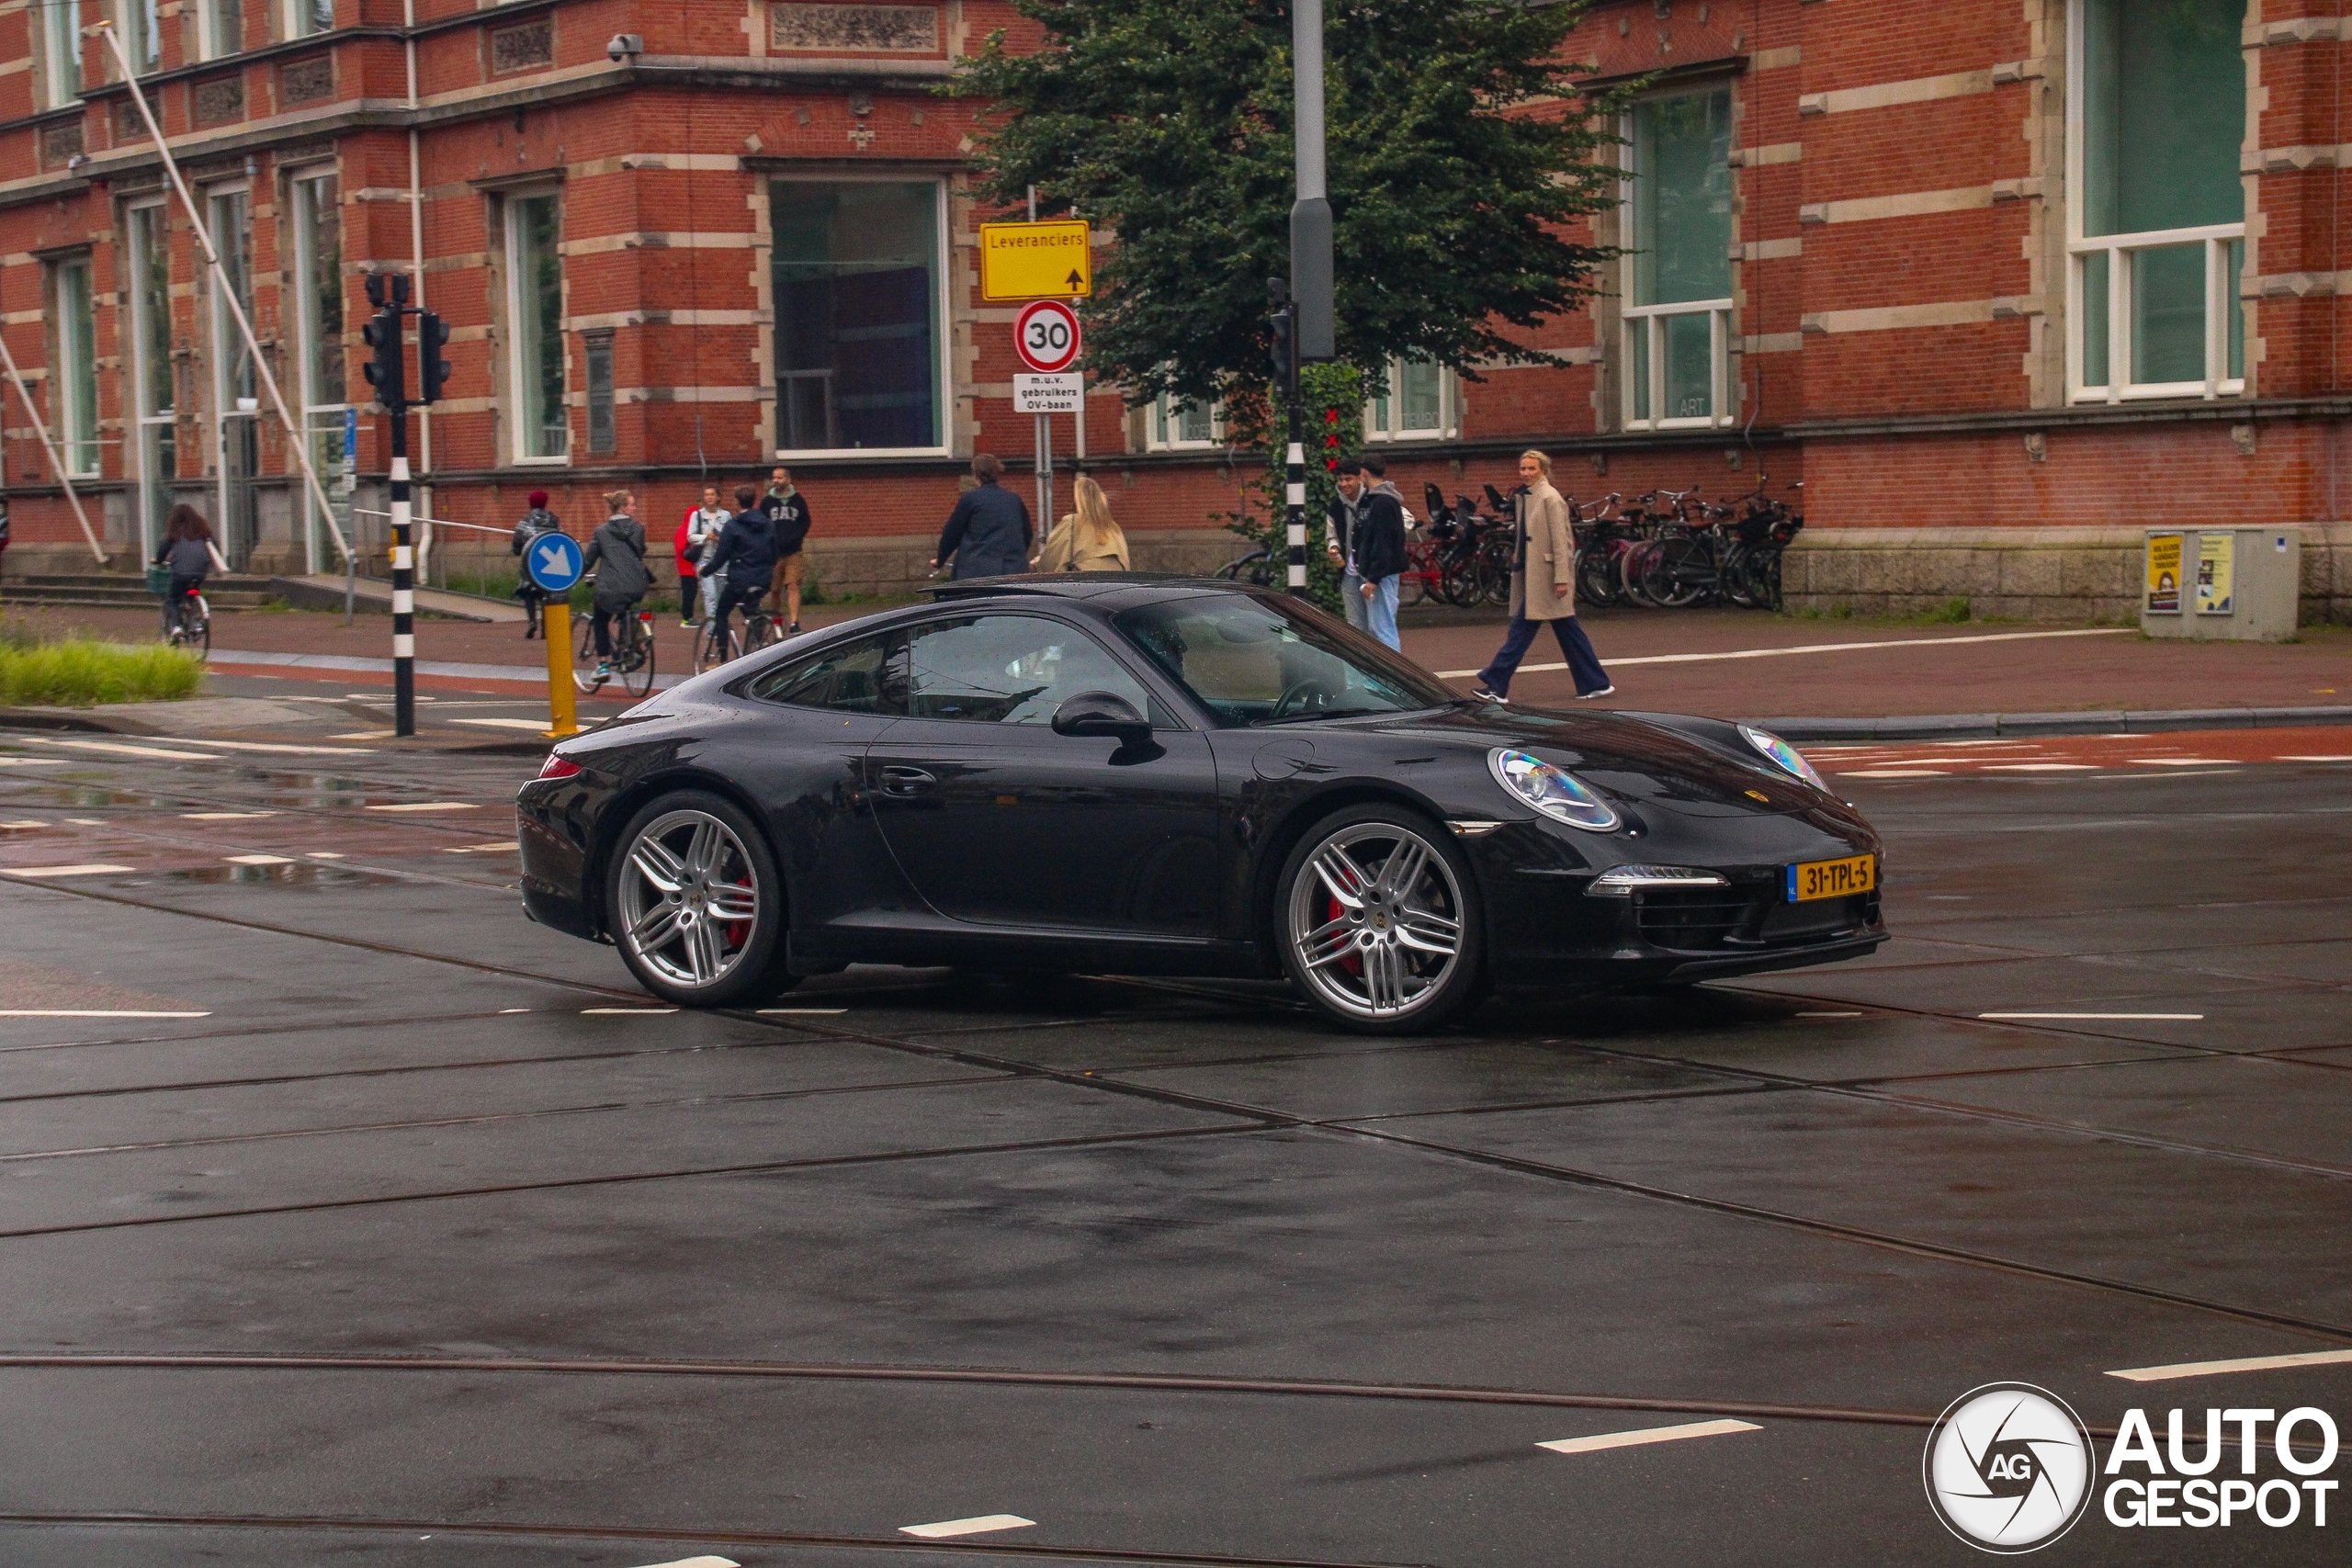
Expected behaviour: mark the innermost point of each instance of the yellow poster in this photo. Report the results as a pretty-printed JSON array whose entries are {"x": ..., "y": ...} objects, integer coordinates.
[
  {"x": 2216, "y": 563},
  {"x": 2164, "y": 574},
  {"x": 1054, "y": 260}
]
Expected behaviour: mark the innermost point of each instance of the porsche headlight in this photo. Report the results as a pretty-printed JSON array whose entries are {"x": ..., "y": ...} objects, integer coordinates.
[
  {"x": 1783, "y": 755},
  {"x": 1552, "y": 790}
]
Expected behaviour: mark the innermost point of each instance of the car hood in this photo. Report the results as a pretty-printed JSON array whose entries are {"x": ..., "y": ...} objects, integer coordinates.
[{"x": 1626, "y": 756}]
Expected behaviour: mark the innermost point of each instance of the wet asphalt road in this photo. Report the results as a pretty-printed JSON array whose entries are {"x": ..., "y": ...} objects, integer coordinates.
[{"x": 426, "y": 1244}]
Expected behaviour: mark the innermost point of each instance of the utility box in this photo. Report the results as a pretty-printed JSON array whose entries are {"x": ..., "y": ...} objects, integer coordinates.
[{"x": 2222, "y": 584}]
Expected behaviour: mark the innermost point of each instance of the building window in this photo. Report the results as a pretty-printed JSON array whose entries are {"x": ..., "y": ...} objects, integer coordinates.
[
  {"x": 534, "y": 312},
  {"x": 1174, "y": 426},
  {"x": 604, "y": 434},
  {"x": 325, "y": 388},
  {"x": 1678, "y": 279},
  {"x": 859, "y": 312},
  {"x": 236, "y": 395},
  {"x": 150, "y": 362},
  {"x": 142, "y": 34},
  {"x": 305, "y": 17},
  {"x": 1413, "y": 402},
  {"x": 2156, "y": 229},
  {"x": 61, "y": 35},
  {"x": 220, "y": 28},
  {"x": 74, "y": 407}
]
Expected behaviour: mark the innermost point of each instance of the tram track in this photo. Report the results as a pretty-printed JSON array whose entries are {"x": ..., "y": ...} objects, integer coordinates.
[{"x": 1248, "y": 1118}]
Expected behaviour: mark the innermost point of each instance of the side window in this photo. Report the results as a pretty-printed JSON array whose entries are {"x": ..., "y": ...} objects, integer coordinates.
[
  {"x": 1009, "y": 670},
  {"x": 866, "y": 676}
]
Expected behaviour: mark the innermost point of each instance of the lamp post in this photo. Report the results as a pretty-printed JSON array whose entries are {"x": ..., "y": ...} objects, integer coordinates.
[{"x": 1303, "y": 312}]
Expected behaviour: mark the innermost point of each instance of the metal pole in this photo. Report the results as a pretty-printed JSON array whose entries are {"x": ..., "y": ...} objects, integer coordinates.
[
  {"x": 1037, "y": 466},
  {"x": 229, "y": 296},
  {"x": 1313, "y": 318},
  {"x": 49, "y": 446}
]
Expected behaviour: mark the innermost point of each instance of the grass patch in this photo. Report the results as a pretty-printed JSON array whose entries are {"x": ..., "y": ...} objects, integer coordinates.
[{"x": 80, "y": 673}]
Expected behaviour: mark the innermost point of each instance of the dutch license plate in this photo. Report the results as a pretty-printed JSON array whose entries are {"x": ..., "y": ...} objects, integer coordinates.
[{"x": 1832, "y": 878}]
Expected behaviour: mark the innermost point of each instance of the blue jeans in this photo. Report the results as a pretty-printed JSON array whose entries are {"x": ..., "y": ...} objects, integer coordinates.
[
  {"x": 1584, "y": 665},
  {"x": 1351, "y": 599},
  {"x": 1380, "y": 612}
]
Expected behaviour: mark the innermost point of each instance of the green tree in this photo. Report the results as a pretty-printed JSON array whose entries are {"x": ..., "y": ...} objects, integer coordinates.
[{"x": 1459, "y": 149}]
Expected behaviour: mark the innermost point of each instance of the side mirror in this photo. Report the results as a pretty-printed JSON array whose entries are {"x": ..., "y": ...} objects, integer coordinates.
[{"x": 1101, "y": 713}]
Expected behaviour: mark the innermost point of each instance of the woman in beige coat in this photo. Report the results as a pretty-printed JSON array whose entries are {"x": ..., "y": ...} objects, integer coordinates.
[
  {"x": 1088, "y": 539},
  {"x": 1543, "y": 588}
]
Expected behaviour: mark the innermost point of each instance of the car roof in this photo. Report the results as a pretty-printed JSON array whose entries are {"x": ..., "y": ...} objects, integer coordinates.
[{"x": 1075, "y": 584}]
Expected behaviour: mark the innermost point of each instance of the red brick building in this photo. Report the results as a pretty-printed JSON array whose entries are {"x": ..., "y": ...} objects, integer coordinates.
[{"x": 2000, "y": 280}]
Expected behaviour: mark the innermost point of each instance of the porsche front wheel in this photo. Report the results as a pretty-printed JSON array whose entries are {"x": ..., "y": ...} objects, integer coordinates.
[{"x": 1376, "y": 921}]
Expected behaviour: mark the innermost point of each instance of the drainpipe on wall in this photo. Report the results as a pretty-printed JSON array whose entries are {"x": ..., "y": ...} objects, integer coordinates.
[{"x": 417, "y": 254}]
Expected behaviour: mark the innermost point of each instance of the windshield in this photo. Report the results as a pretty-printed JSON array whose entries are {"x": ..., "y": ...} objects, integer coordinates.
[{"x": 1259, "y": 660}]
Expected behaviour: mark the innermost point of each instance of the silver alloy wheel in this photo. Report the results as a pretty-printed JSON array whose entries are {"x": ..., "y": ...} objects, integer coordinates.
[
  {"x": 1376, "y": 920},
  {"x": 689, "y": 899}
]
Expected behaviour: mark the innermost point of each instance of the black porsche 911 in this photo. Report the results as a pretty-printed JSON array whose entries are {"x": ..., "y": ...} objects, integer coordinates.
[{"x": 1135, "y": 775}]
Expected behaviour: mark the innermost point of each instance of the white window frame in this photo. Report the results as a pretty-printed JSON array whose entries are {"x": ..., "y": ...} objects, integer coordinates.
[
  {"x": 1642, "y": 328},
  {"x": 299, "y": 19},
  {"x": 1449, "y": 407},
  {"x": 60, "y": 37},
  {"x": 227, "y": 343},
  {"x": 518, "y": 375},
  {"x": 942, "y": 323},
  {"x": 155, "y": 487},
  {"x": 208, "y": 43},
  {"x": 142, "y": 35},
  {"x": 2116, "y": 386},
  {"x": 1160, "y": 427},
  {"x": 75, "y": 376},
  {"x": 307, "y": 327}
]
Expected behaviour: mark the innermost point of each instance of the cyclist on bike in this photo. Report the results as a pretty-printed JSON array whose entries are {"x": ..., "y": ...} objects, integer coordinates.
[
  {"x": 744, "y": 561},
  {"x": 186, "y": 553},
  {"x": 617, "y": 552}
]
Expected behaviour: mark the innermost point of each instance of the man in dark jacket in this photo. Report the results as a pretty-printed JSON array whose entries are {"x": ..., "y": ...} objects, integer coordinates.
[
  {"x": 1379, "y": 540},
  {"x": 744, "y": 559},
  {"x": 989, "y": 533},
  {"x": 535, "y": 522},
  {"x": 788, "y": 517}
]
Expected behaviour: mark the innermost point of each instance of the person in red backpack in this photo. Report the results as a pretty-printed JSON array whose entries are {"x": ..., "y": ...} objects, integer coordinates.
[{"x": 695, "y": 536}]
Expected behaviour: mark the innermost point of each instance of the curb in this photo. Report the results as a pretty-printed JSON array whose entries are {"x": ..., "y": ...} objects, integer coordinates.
[{"x": 1970, "y": 726}]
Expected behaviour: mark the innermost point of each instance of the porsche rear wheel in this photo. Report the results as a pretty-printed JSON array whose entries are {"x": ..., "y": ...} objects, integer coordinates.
[
  {"x": 696, "y": 904},
  {"x": 1376, "y": 920}
]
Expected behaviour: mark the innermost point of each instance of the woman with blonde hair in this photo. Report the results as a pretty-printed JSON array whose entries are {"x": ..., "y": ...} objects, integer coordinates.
[{"x": 1088, "y": 539}]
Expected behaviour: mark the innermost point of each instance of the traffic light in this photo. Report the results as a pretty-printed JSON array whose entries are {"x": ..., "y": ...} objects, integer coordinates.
[
  {"x": 1282, "y": 341},
  {"x": 385, "y": 372},
  {"x": 432, "y": 370}
]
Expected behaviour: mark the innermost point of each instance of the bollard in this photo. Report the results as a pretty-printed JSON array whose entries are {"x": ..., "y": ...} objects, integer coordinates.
[{"x": 555, "y": 629}]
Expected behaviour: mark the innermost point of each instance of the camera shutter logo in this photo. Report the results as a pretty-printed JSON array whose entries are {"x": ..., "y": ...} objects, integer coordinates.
[{"x": 2009, "y": 1468}]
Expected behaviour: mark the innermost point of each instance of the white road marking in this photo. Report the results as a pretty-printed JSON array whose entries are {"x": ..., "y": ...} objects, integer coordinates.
[
  {"x": 479, "y": 848},
  {"x": 2317, "y": 759},
  {"x": 60, "y": 762},
  {"x": 222, "y": 816},
  {"x": 2178, "y": 761},
  {"x": 92, "y": 870},
  {"x": 689, "y": 1561},
  {"x": 784, "y": 1012},
  {"x": 25, "y": 822},
  {"x": 2111, "y": 1017},
  {"x": 259, "y": 860},
  {"x": 283, "y": 751},
  {"x": 122, "y": 751},
  {"x": 365, "y": 735},
  {"x": 1809, "y": 648},
  {"x": 1893, "y": 774},
  {"x": 88, "y": 821},
  {"x": 2042, "y": 767},
  {"x": 2242, "y": 1364},
  {"x": 1829, "y": 1015},
  {"x": 503, "y": 1012},
  {"x": 1637, "y": 1438},
  {"x": 427, "y": 805},
  {"x": 536, "y": 725},
  {"x": 321, "y": 854},
  {"x": 93, "y": 1013},
  {"x": 591, "y": 1012},
  {"x": 2207, "y": 773},
  {"x": 977, "y": 1526}
]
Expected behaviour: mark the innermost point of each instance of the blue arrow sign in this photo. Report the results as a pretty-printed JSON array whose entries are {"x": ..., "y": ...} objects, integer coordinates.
[
  {"x": 351, "y": 436},
  {"x": 554, "y": 560}
]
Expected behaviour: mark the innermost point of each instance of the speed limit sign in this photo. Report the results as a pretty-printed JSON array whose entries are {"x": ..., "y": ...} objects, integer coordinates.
[{"x": 1046, "y": 336}]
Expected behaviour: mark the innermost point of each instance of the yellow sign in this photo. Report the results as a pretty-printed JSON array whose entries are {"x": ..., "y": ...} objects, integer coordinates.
[
  {"x": 2216, "y": 566},
  {"x": 1036, "y": 261},
  {"x": 2164, "y": 574}
]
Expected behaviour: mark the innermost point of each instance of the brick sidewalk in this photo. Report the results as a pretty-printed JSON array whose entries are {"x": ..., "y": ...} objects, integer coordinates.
[{"x": 2024, "y": 673}]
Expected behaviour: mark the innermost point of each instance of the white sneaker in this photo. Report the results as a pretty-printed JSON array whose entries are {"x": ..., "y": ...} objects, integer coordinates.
[{"x": 1588, "y": 696}]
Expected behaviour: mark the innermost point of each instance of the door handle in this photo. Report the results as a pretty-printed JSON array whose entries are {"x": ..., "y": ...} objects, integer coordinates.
[{"x": 901, "y": 780}]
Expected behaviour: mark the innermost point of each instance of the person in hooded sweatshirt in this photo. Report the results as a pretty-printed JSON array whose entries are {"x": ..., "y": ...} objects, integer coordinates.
[
  {"x": 618, "y": 555},
  {"x": 535, "y": 522},
  {"x": 743, "y": 561},
  {"x": 186, "y": 553},
  {"x": 1379, "y": 543},
  {"x": 990, "y": 532}
]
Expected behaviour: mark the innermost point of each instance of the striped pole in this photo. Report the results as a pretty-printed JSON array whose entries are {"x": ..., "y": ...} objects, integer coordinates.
[
  {"x": 404, "y": 587},
  {"x": 1297, "y": 499}
]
